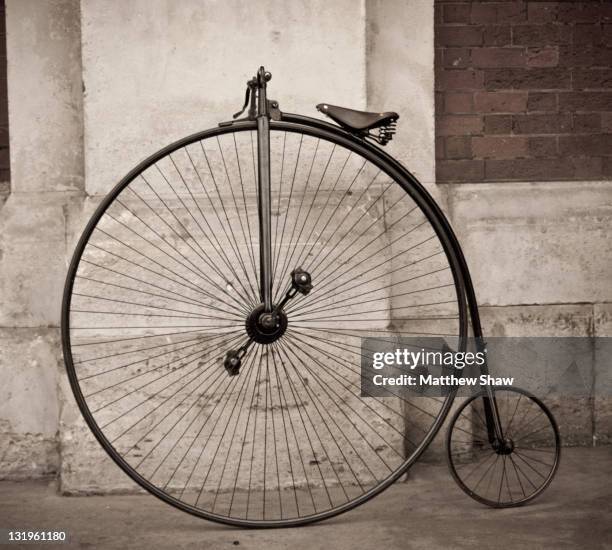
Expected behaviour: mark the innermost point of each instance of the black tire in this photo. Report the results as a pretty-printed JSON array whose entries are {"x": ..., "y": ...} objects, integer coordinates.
[
  {"x": 528, "y": 470},
  {"x": 336, "y": 139}
]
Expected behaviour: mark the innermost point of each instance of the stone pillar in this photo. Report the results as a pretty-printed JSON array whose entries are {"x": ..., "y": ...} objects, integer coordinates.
[{"x": 45, "y": 126}]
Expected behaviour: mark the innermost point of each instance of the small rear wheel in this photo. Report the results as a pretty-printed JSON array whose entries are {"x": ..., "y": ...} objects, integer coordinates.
[{"x": 517, "y": 470}]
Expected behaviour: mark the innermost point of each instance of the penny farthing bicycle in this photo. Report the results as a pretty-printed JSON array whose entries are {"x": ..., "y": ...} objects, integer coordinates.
[{"x": 214, "y": 312}]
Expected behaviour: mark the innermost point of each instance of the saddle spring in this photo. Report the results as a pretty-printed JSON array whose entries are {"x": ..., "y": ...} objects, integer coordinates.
[{"x": 385, "y": 133}]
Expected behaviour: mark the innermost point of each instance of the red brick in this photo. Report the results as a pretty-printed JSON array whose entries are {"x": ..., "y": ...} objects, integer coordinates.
[
  {"x": 592, "y": 79},
  {"x": 587, "y": 167},
  {"x": 5, "y": 160},
  {"x": 542, "y": 146},
  {"x": 579, "y": 12},
  {"x": 585, "y": 101},
  {"x": 460, "y": 170},
  {"x": 542, "y": 12},
  {"x": 459, "y": 102},
  {"x": 439, "y": 102},
  {"x": 524, "y": 169},
  {"x": 542, "y": 169},
  {"x": 542, "y": 101},
  {"x": 458, "y": 147},
  {"x": 566, "y": 33},
  {"x": 499, "y": 147},
  {"x": 517, "y": 82},
  {"x": 541, "y": 124},
  {"x": 499, "y": 12},
  {"x": 459, "y": 36},
  {"x": 526, "y": 79},
  {"x": 458, "y": 125},
  {"x": 456, "y": 57},
  {"x": 588, "y": 146},
  {"x": 439, "y": 147},
  {"x": 483, "y": 13},
  {"x": 607, "y": 167},
  {"x": 500, "y": 102},
  {"x": 587, "y": 34},
  {"x": 461, "y": 79},
  {"x": 498, "y": 57},
  {"x": 457, "y": 13},
  {"x": 535, "y": 35},
  {"x": 438, "y": 76},
  {"x": 497, "y": 35},
  {"x": 438, "y": 16},
  {"x": 542, "y": 57},
  {"x": 585, "y": 56},
  {"x": 498, "y": 124},
  {"x": 511, "y": 12},
  {"x": 587, "y": 123}
]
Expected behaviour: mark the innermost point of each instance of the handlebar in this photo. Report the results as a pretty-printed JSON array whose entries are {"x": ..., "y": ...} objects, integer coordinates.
[{"x": 256, "y": 90}]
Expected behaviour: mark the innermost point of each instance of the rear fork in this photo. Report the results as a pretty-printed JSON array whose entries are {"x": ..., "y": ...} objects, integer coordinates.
[{"x": 495, "y": 432}]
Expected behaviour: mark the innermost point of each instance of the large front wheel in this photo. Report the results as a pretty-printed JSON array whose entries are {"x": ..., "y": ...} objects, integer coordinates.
[{"x": 165, "y": 281}]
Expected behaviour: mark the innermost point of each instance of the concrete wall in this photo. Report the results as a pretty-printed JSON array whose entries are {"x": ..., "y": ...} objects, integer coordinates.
[
  {"x": 182, "y": 67},
  {"x": 95, "y": 86}
]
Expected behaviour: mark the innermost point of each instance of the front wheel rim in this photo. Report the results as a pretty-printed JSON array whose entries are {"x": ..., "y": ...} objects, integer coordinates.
[{"x": 289, "y": 358}]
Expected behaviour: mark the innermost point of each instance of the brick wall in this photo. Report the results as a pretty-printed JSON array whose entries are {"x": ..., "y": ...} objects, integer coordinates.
[
  {"x": 523, "y": 90},
  {"x": 4, "y": 135}
]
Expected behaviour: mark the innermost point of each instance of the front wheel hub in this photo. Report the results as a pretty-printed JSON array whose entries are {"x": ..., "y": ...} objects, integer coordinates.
[{"x": 266, "y": 327}]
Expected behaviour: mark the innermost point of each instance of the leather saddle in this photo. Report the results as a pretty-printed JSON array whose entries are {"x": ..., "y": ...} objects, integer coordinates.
[{"x": 357, "y": 121}]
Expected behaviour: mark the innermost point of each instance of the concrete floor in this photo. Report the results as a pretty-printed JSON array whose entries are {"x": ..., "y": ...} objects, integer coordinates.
[{"x": 428, "y": 512}]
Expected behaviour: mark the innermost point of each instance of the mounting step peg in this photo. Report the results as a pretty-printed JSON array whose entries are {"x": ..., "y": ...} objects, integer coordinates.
[{"x": 301, "y": 280}]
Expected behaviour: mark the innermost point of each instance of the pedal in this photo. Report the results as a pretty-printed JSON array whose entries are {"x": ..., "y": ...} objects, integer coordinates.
[{"x": 301, "y": 281}]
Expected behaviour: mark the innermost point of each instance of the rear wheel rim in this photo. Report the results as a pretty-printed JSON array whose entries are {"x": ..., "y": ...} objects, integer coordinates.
[
  {"x": 532, "y": 449},
  {"x": 315, "y": 435}
]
